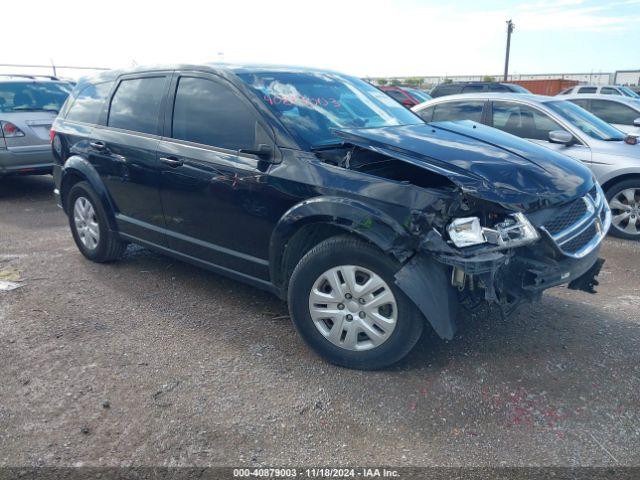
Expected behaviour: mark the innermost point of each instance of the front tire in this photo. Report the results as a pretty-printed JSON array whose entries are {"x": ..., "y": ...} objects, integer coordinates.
[
  {"x": 624, "y": 201},
  {"x": 89, "y": 226},
  {"x": 344, "y": 303}
]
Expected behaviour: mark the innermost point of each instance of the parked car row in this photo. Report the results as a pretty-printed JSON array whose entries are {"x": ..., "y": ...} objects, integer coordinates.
[{"x": 370, "y": 219}]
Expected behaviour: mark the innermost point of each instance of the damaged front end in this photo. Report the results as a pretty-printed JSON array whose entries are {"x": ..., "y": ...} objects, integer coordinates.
[
  {"x": 510, "y": 262},
  {"x": 514, "y": 227}
]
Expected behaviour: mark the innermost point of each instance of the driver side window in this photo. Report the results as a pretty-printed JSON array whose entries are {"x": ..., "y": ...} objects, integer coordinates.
[{"x": 523, "y": 121}]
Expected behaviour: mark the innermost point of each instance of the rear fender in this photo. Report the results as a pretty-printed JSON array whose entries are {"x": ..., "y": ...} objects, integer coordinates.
[{"x": 78, "y": 167}]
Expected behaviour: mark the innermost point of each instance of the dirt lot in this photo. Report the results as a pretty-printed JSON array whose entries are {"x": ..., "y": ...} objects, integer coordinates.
[{"x": 154, "y": 362}]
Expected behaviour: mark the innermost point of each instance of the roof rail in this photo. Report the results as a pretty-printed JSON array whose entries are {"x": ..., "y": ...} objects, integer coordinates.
[{"x": 25, "y": 75}]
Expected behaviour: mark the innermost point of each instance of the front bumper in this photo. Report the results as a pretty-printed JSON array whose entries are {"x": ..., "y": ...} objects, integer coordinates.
[{"x": 36, "y": 159}]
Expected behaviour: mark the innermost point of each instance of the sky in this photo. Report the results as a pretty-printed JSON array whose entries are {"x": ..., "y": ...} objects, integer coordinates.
[{"x": 367, "y": 38}]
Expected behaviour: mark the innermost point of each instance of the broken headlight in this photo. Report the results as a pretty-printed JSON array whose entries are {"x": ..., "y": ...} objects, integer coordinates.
[
  {"x": 465, "y": 232},
  {"x": 515, "y": 230}
]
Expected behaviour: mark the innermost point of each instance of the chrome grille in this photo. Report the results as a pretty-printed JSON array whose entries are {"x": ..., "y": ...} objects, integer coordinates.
[{"x": 581, "y": 226}]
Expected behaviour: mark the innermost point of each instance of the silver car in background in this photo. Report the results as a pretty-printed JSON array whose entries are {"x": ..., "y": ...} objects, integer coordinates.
[
  {"x": 566, "y": 128},
  {"x": 621, "y": 112},
  {"x": 28, "y": 106},
  {"x": 618, "y": 90}
]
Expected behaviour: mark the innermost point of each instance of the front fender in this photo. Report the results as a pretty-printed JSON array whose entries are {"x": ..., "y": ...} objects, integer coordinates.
[
  {"x": 78, "y": 167},
  {"x": 364, "y": 220}
]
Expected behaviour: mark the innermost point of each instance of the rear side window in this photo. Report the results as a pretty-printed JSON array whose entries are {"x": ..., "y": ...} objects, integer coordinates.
[
  {"x": 473, "y": 88},
  {"x": 613, "y": 112},
  {"x": 469, "y": 110},
  {"x": 581, "y": 102},
  {"x": 396, "y": 95},
  {"x": 609, "y": 91},
  {"x": 426, "y": 114},
  {"x": 523, "y": 121},
  {"x": 136, "y": 104},
  {"x": 587, "y": 90},
  {"x": 89, "y": 103},
  {"x": 445, "y": 89},
  {"x": 210, "y": 113}
]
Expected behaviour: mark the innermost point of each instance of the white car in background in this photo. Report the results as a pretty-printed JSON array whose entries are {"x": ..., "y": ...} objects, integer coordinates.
[
  {"x": 619, "y": 90},
  {"x": 564, "y": 127},
  {"x": 621, "y": 112}
]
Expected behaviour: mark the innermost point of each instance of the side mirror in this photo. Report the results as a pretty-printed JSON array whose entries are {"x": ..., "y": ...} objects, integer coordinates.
[
  {"x": 636, "y": 122},
  {"x": 560, "y": 136},
  {"x": 262, "y": 151}
]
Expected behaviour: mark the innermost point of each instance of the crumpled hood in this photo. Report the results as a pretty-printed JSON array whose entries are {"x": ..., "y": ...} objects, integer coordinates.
[{"x": 485, "y": 162}]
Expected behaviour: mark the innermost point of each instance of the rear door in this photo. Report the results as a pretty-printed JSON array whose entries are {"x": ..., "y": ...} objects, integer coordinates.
[
  {"x": 123, "y": 150},
  {"x": 214, "y": 194}
]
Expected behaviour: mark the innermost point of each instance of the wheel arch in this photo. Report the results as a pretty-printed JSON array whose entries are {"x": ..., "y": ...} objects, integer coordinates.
[
  {"x": 312, "y": 221},
  {"x": 620, "y": 178},
  {"x": 77, "y": 169}
]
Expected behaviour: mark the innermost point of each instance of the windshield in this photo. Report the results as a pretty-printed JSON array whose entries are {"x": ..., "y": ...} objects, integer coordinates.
[
  {"x": 585, "y": 121},
  {"x": 311, "y": 105},
  {"x": 33, "y": 96},
  {"x": 628, "y": 92}
]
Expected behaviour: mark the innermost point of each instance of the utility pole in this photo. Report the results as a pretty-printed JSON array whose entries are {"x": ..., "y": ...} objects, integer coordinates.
[{"x": 510, "y": 27}]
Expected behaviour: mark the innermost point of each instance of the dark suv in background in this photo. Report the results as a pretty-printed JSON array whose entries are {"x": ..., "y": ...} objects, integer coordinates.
[
  {"x": 454, "y": 88},
  {"x": 320, "y": 188}
]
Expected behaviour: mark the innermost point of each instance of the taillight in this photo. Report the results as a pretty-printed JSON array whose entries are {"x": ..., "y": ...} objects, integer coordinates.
[
  {"x": 9, "y": 130},
  {"x": 51, "y": 135}
]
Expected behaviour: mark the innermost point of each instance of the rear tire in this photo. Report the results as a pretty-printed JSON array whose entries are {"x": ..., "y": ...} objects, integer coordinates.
[
  {"x": 624, "y": 201},
  {"x": 384, "y": 333},
  {"x": 89, "y": 225}
]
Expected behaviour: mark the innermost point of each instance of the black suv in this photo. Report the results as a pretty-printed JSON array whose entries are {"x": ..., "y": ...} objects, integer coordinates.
[
  {"x": 455, "y": 88},
  {"x": 320, "y": 188}
]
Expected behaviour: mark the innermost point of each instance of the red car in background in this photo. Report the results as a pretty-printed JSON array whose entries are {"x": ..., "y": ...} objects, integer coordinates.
[{"x": 407, "y": 96}]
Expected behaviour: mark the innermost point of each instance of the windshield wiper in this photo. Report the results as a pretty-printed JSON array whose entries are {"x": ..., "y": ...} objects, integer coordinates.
[
  {"x": 326, "y": 146},
  {"x": 35, "y": 109}
]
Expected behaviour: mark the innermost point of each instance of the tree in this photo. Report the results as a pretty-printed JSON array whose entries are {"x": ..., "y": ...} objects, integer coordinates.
[
  {"x": 395, "y": 82},
  {"x": 447, "y": 80},
  {"x": 413, "y": 81},
  {"x": 382, "y": 81},
  {"x": 488, "y": 78}
]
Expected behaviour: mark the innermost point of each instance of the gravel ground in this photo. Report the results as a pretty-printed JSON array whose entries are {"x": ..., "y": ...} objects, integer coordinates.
[{"x": 150, "y": 361}]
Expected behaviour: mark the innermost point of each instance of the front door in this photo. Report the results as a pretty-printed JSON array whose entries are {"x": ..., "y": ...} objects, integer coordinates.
[
  {"x": 214, "y": 193},
  {"x": 532, "y": 124}
]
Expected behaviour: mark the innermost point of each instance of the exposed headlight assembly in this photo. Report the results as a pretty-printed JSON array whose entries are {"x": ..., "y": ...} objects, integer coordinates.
[{"x": 514, "y": 231}]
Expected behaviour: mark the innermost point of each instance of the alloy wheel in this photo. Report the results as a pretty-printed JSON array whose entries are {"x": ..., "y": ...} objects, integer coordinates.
[{"x": 625, "y": 211}]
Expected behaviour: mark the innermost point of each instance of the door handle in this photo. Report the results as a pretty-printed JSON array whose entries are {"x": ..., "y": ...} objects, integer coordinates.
[
  {"x": 98, "y": 145},
  {"x": 173, "y": 162}
]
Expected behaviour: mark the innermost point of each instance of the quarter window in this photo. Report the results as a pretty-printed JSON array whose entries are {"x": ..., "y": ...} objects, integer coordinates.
[
  {"x": 609, "y": 91},
  {"x": 587, "y": 90},
  {"x": 136, "y": 104},
  {"x": 209, "y": 113},
  {"x": 523, "y": 121},
  {"x": 458, "y": 111},
  {"x": 426, "y": 114},
  {"x": 613, "y": 112},
  {"x": 89, "y": 103}
]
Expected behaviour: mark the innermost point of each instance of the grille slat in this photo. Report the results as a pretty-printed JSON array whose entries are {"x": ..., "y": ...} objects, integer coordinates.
[
  {"x": 566, "y": 219},
  {"x": 586, "y": 215},
  {"x": 581, "y": 240}
]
